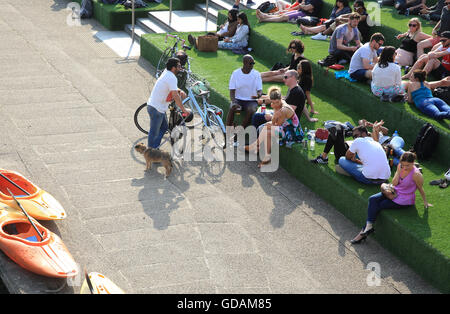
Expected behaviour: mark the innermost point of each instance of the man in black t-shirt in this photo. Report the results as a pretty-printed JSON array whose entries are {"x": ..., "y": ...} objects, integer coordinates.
[{"x": 295, "y": 95}]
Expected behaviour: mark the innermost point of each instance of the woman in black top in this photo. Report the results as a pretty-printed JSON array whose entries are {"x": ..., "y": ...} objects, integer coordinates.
[
  {"x": 297, "y": 48},
  {"x": 305, "y": 81},
  {"x": 408, "y": 47}
]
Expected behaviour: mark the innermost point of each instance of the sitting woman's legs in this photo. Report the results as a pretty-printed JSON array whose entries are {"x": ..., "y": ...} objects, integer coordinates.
[
  {"x": 272, "y": 76},
  {"x": 435, "y": 108},
  {"x": 229, "y": 46},
  {"x": 313, "y": 29}
]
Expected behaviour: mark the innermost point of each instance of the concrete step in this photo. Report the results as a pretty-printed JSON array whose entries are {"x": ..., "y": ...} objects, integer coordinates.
[
  {"x": 184, "y": 21},
  {"x": 151, "y": 25},
  {"x": 227, "y": 4},
  {"x": 213, "y": 12},
  {"x": 138, "y": 31},
  {"x": 221, "y": 4}
]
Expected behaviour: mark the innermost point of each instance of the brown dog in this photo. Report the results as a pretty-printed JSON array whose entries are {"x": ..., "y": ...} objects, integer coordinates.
[{"x": 155, "y": 155}]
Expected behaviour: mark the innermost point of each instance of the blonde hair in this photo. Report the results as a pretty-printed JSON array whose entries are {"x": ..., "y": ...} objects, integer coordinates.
[
  {"x": 419, "y": 23},
  {"x": 274, "y": 93}
]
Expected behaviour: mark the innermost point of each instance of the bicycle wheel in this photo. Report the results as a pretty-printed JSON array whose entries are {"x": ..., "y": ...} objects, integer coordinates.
[
  {"x": 177, "y": 134},
  {"x": 197, "y": 120},
  {"x": 163, "y": 61},
  {"x": 216, "y": 129},
  {"x": 141, "y": 118}
]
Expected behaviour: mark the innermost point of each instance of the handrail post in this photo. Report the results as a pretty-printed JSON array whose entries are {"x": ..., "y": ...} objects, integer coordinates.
[
  {"x": 170, "y": 14},
  {"x": 206, "y": 18},
  {"x": 132, "y": 21}
]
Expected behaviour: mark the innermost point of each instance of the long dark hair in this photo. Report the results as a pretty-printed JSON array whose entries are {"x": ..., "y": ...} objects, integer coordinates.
[
  {"x": 420, "y": 75},
  {"x": 387, "y": 55},
  {"x": 360, "y": 3},
  {"x": 299, "y": 46},
  {"x": 244, "y": 19},
  {"x": 307, "y": 74},
  {"x": 344, "y": 2},
  {"x": 234, "y": 15},
  {"x": 408, "y": 157}
]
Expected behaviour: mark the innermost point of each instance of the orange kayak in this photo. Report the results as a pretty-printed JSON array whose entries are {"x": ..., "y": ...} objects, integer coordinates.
[
  {"x": 21, "y": 243},
  {"x": 39, "y": 204},
  {"x": 100, "y": 285}
]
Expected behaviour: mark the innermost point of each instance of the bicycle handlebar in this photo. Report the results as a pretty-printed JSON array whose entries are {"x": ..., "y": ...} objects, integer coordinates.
[{"x": 176, "y": 37}]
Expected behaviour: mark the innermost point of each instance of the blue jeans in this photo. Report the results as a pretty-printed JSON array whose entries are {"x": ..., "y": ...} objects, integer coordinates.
[
  {"x": 435, "y": 108},
  {"x": 397, "y": 144},
  {"x": 359, "y": 75},
  {"x": 355, "y": 170},
  {"x": 158, "y": 126},
  {"x": 378, "y": 202}
]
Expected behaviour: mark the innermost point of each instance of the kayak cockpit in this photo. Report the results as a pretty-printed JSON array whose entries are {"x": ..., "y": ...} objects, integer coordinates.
[
  {"x": 23, "y": 231},
  {"x": 10, "y": 183}
]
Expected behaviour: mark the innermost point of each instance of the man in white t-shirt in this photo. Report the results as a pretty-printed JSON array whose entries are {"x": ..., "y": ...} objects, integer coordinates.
[
  {"x": 245, "y": 87},
  {"x": 366, "y": 159},
  {"x": 164, "y": 91},
  {"x": 365, "y": 58}
]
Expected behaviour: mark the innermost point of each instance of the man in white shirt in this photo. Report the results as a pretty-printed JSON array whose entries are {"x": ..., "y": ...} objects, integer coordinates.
[
  {"x": 365, "y": 58},
  {"x": 163, "y": 92},
  {"x": 366, "y": 159},
  {"x": 245, "y": 87}
]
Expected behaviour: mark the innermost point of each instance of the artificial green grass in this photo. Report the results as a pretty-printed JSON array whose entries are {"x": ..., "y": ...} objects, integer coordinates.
[
  {"x": 402, "y": 116},
  {"x": 418, "y": 237}
]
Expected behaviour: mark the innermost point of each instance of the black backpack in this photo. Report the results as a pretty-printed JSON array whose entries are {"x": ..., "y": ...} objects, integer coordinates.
[
  {"x": 426, "y": 142},
  {"x": 265, "y": 7}
]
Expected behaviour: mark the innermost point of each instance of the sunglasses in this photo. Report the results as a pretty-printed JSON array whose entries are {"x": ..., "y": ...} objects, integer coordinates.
[
  {"x": 291, "y": 47},
  {"x": 251, "y": 63},
  {"x": 412, "y": 25}
]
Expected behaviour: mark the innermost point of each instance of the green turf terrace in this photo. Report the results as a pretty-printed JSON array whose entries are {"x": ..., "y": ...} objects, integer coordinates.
[{"x": 419, "y": 237}]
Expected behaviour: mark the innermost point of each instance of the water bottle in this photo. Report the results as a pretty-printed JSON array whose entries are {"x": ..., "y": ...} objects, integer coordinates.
[
  {"x": 305, "y": 139},
  {"x": 395, "y": 133},
  {"x": 312, "y": 143},
  {"x": 263, "y": 108}
]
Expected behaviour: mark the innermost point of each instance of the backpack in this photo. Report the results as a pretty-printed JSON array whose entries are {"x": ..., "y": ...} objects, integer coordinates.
[
  {"x": 442, "y": 93},
  {"x": 266, "y": 7},
  {"x": 86, "y": 9},
  {"x": 426, "y": 142}
]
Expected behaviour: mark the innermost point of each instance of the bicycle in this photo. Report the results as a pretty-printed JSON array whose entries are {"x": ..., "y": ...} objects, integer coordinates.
[
  {"x": 176, "y": 127},
  {"x": 169, "y": 52}
]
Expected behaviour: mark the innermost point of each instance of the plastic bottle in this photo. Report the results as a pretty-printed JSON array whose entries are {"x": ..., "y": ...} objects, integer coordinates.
[
  {"x": 263, "y": 108},
  {"x": 395, "y": 133},
  {"x": 312, "y": 143},
  {"x": 305, "y": 139}
]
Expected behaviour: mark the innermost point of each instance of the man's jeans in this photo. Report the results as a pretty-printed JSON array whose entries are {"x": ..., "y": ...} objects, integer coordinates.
[
  {"x": 355, "y": 170},
  {"x": 158, "y": 126},
  {"x": 397, "y": 144}
]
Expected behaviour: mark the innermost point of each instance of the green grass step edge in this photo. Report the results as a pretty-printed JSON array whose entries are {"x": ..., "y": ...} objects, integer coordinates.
[
  {"x": 115, "y": 17},
  {"x": 403, "y": 117},
  {"x": 408, "y": 247}
]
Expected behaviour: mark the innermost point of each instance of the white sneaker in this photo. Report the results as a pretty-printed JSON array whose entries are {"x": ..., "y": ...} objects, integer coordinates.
[{"x": 319, "y": 36}]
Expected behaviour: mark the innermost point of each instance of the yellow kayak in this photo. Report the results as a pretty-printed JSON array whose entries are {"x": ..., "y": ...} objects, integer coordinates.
[
  {"x": 100, "y": 285},
  {"x": 38, "y": 203}
]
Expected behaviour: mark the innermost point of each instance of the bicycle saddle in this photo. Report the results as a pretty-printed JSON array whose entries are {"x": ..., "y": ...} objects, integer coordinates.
[{"x": 203, "y": 93}]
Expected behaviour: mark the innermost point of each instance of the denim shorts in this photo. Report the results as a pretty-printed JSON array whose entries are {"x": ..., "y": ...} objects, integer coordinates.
[{"x": 359, "y": 75}]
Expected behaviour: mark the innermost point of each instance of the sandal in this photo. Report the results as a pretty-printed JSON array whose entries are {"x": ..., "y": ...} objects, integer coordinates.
[{"x": 298, "y": 33}]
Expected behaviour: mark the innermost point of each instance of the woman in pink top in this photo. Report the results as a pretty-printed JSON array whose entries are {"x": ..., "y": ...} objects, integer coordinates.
[{"x": 406, "y": 181}]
